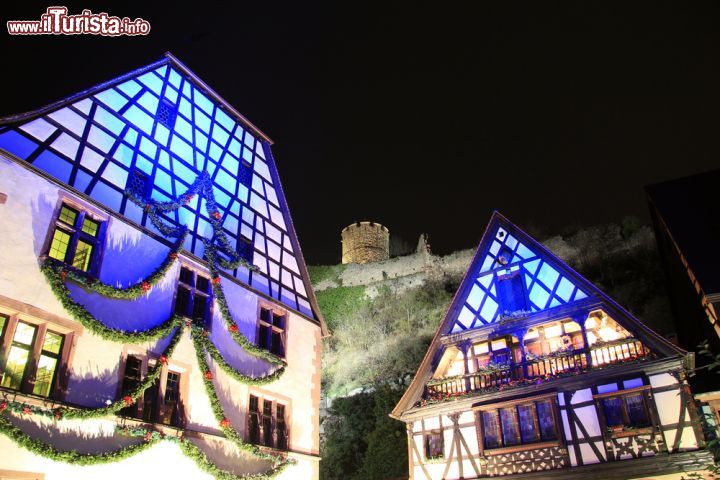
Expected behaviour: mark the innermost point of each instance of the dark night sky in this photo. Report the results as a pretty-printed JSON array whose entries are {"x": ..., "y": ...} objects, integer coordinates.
[{"x": 426, "y": 118}]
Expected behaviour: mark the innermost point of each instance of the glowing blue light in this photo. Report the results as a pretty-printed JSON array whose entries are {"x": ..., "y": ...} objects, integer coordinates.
[
  {"x": 149, "y": 102},
  {"x": 130, "y": 88},
  {"x": 109, "y": 121},
  {"x": 181, "y": 148},
  {"x": 112, "y": 98},
  {"x": 220, "y": 135},
  {"x": 140, "y": 119},
  {"x": 17, "y": 144},
  {"x": 152, "y": 81},
  {"x": 202, "y": 101},
  {"x": 54, "y": 165}
]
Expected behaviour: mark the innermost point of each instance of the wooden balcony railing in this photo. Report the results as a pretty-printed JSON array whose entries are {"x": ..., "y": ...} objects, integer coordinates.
[{"x": 558, "y": 364}]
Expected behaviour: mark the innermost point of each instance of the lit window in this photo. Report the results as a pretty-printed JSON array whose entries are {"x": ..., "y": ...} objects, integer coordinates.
[
  {"x": 267, "y": 425},
  {"x": 271, "y": 331},
  {"x": 519, "y": 424},
  {"x": 434, "y": 445},
  {"x": 23, "y": 370},
  {"x": 75, "y": 239},
  {"x": 193, "y": 296}
]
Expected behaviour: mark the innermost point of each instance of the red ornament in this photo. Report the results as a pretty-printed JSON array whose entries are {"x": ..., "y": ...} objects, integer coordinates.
[
  {"x": 145, "y": 286},
  {"x": 233, "y": 328},
  {"x": 58, "y": 413},
  {"x": 27, "y": 411},
  {"x": 225, "y": 423},
  {"x": 173, "y": 255},
  {"x": 205, "y": 333},
  {"x": 216, "y": 215},
  {"x": 63, "y": 275},
  {"x": 163, "y": 359},
  {"x": 188, "y": 323},
  {"x": 147, "y": 207},
  {"x": 216, "y": 280},
  {"x": 208, "y": 375},
  {"x": 148, "y": 436},
  {"x": 3, "y": 405},
  {"x": 128, "y": 400},
  {"x": 188, "y": 199}
]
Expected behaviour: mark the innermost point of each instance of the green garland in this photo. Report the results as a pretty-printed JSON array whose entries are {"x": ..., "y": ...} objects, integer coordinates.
[
  {"x": 129, "y": 398},
  {"x": 131, "y": 292},
  {"x": 37, "y": 447},
  {"x": 201, "y": 185},
  {"x": 52, "y": 271},
  {"x": 235, "y": 332},
  {"x": 193, "y": 452},
  {"x": 203, "y": 343},
  {"x": 217, "y": 409}
]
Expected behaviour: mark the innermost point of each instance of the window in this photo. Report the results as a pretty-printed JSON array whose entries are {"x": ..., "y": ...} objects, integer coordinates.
[
  {"x": 271, "y": 331},
  {"x": 32, "y": 357},
  {"x": 158, "y": 406},
  {"x": 171, "y": 406},
  {"x": 434, "y": 445},
  {"x": 268, "y": 432},
  {"x": 254, "y": 420},
  {"x": 625, "y": 410},
  {"x": 193, "y": 296},
  {"x": 519, "y": 424},
  {"x": 47, "y": 366},
  {"x": 75, "y": 239},
  {"x": 282, "y": 439},
  {"x": 131, "y": 380},
  {"x": 267, "y": 426}
]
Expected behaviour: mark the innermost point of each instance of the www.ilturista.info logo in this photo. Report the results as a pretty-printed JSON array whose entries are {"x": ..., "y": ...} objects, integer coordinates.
[{"x": 56, "y": 21}]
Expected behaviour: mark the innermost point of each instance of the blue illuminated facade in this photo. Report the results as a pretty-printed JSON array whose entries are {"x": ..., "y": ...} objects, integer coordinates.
[
  {"x": 512, "y": 277},
  {"x": 161, "y": 124}
]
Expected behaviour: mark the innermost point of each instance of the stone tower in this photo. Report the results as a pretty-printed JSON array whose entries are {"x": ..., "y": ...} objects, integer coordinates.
[{"x": 365, "y": 242}]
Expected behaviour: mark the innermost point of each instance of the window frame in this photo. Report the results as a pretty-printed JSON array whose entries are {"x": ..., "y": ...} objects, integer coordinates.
[
  {"x": 260, "y": 416},
  {"x": 193, "y": 292},
  {"x": 15, "y": 312},
  {"x": 272, "y": 328},
  {"x": 626, "y": 429},
  {"x": 540, "y": 442},
  {"x": 426, "y": 444},
  {"x": 77, "y": 234},
  {"x": 154, "y": 412}
]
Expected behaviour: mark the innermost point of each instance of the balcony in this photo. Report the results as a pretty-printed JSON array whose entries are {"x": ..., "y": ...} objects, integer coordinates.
[{"x": 536, "y": 370}]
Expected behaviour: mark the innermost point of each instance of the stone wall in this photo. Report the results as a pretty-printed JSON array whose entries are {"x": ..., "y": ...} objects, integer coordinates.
[
  {"x": 401, "y": 272},
  {"x": 365, "y": 242}
]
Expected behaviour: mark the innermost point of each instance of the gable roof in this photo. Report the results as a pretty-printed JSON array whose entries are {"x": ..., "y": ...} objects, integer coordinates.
[
  {"x": 560, "y": 289},
  {"x": 165, "y": 122}
]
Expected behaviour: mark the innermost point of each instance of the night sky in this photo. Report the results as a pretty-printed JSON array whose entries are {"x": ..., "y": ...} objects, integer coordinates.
[{"x": 426, "y": 118}]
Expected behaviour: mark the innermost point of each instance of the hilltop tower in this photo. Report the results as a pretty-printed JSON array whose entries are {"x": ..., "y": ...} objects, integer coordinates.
[{"x": 365, "y": 242}]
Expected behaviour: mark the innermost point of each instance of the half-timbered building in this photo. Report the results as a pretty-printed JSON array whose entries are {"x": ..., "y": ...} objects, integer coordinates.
[
  {"x": 536, "y": 373},
  {"x": 156, "y": 318}
]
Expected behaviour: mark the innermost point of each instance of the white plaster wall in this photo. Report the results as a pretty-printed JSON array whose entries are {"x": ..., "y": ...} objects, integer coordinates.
[
  {"x": 25, "y": 220},
  {"x": 668, "y": 406}
]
